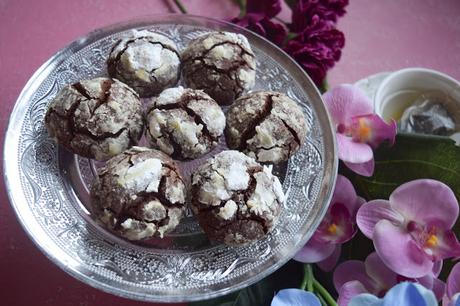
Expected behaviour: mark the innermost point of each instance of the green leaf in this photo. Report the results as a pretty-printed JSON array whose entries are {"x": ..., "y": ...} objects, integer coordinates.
[
  {"x": 261, "y": 293},
  {"x": 291, "y": 3},
  {"x": 412, "y": 157}
]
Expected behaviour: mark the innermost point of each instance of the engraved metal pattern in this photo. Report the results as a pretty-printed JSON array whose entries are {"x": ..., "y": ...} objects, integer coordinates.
[{"x": 48, "y": 187}]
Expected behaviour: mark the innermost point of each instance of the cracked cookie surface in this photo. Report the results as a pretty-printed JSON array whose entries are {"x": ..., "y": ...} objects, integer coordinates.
[
  {"x": 220, "y": 63},
  {"x": 266, "y": 125},
  {"x": 148, "y": 62},
  {"x": 138, "y": 194},
  {"x": 97, "y": 118},
  {"x": 235, "y": 199},
  {"x": 184, "y": 123}
]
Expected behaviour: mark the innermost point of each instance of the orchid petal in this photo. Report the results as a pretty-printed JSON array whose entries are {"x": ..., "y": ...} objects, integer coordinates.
[
  {"x": 345, "y": 193},
  {"x": 453, "y": 281},
  {"x": 353, "y": 152},
  {"x": 314, "y": 251},
  {"x": 426, "y": 201},
  {"x": 455, "y": 301},
  {"x": 409, "y": 294},
  {"x": 348, "y": 291},
  {"x": 430, "y": 282},
  {"x": 372, "y": 212},
  {"x": 439, "y": 287},
  {"x": 446, "y": 246},
  {"x": 437, "y": 268},
  {"x": 376, "y": 269},
  {"x": 364, "y": 169},
  {"x": 399, "y": 251},
  {"x": 352, "y": 270},
  {"x": 365, "y": 299},
  {"x": 295, "y": 297},
  {"x": 373, "y": 130},
  {"x": 345, "y": 102},
  {"x": 426, "y": 281},
  {"x": 329, "y": 263},
  {"x": 338, "y": 227}
]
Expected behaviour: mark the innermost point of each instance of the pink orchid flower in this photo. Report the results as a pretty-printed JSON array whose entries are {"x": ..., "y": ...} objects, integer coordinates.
[
  {"x": 337, "y": 227},
  {"x": 452, "y": 295},
  {"x": 412, "y": 231},
  {"x": 355, "y": 277},
  {"x": 358, "y": 129}
]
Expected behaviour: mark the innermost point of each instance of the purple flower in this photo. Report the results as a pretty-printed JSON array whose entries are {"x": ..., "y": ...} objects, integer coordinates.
[
  {"x": 318, "y": 44},
  {"x": 268, "y": 8},
  {"x": 403, "y": 294},
  {"x": 258, "y": 20},
  {"x": 354, "y": 277},
  {"x": 412, "y": 231},
  {"x": 337, "y": 227},
  {"x": 306, "y": 10},
  {"x": 452, "y": 295},
  {"x": 295, "y": 297},
  {"x": 358, "y": 130},
  {"x": 263, "y": 26},
  {"x": 316, "y": 48}
]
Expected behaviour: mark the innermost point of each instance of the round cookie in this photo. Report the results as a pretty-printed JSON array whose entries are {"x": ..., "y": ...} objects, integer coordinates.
[
  {"x": 236, "y": 199},
  {"x": 97, "y": 118},
  {"x": 148, "y": 62},
  {"x": 220, "y": 63},
  {"x": 138, "y": 194},
  {"x": 266, "y": 125},
  {"x": 184, "y": 123}
]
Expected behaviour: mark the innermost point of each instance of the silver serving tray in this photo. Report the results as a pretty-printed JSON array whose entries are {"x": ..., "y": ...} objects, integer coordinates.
[{"x": 48, "y": 186}]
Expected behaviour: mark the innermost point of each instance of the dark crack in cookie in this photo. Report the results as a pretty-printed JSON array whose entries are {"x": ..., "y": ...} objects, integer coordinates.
[
  {"x": 220, "y": 63},
  {"x": 236, "y": 199},
  {"x": 148, "y": 62},
  {"x": 184, "y": 123},
  {"x": 138, "y": 194},
  {"x": 266, "y": 125},
  {"x": 97, "y": 118}
]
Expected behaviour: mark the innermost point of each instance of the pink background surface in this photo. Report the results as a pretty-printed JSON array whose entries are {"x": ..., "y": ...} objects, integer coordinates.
[{"x": 381, "y": 35}]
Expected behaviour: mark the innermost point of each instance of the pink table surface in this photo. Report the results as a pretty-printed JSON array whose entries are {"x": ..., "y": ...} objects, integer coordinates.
[{"x": 381, "y": 35}]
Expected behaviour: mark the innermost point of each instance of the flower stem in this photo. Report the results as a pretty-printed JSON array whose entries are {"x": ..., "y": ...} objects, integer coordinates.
[
  {"x": 321, "y": 300},
  {"x": 306, "y": 277},
  {"x": 180, "y": 6},
  {"x": 310, "y": 278},
  {"x": 324, "y": 293}
]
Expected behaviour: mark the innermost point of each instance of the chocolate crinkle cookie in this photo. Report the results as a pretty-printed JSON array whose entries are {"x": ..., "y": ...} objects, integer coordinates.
[
  {"x": 266, "y": 125},
  {"x": 138, "y": 194},
  {"x": 220, "y": 63},
  {"x": 97, "y": 118},
  {"x": 146, "y": 61},
  {"x": 236, "y": 199},
  {"x": 184, "y": 123}
]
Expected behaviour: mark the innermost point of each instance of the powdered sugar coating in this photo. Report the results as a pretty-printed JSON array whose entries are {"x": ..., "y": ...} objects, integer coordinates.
[
  {"x": 220, "y": 63},
  {"x": 146, "y": 61},
  {"x": 139, "y": 194},
  {"x": 236, "y": 199},
  {"x": 266, "y": 125},
  {"x": 184, "y": 123},
  {"x": 97, "y": 118}
]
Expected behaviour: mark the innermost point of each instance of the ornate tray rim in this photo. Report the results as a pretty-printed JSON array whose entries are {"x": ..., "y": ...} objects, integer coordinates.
[{"x": 12, "y": 136}]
